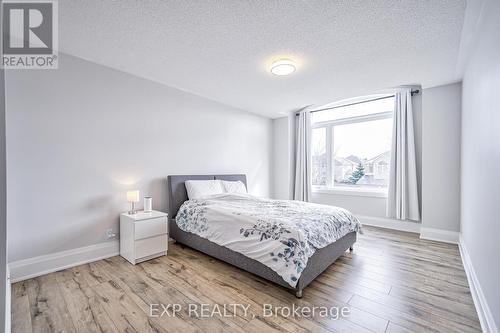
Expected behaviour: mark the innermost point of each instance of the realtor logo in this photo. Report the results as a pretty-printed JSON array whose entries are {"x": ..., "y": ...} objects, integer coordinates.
[{"x": 29, "y": 34}]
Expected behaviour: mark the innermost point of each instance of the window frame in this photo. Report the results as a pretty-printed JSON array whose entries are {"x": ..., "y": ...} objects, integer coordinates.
[{"x": 329, "y": 126}]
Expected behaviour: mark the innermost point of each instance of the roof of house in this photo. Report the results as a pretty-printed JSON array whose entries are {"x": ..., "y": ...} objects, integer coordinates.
[
  {"x": 354, "y": 158},
  {"x": 386, "y": 156}
]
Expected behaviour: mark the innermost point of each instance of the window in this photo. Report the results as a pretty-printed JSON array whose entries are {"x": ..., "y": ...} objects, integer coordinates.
[{"x": 351, "y": 146}]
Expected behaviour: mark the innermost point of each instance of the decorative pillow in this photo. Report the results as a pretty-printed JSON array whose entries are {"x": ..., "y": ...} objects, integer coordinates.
[
  {"x": 201, "y": 188},
  {"x": 234, "y": 187}
]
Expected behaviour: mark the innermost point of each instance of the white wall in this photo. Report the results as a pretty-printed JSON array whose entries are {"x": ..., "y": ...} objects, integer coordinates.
[
  {"x": 441, "y": 112},
  {"x": 360, "y": 205},
  {"x": 80, "y": 136},
  {"x": 281, "y": 157},
  {"x": 3, "y": 203},
  {"x": 4, "y": 284},
  {"x": 480, "y": 177}
]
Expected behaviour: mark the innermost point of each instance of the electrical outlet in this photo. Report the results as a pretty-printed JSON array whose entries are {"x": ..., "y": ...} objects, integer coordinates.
[{"x": 110, "y": 234}]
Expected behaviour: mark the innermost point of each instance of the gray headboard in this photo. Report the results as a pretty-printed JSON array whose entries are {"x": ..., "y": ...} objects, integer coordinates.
[{"x": 177, "y": 190}]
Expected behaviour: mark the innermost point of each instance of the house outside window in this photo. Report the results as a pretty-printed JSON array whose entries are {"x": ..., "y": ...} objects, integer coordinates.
[{"x": 351, "y": 146}]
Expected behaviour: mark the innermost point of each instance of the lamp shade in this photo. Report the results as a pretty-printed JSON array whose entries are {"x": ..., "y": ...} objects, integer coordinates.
[{"x": 133, "y": 196}]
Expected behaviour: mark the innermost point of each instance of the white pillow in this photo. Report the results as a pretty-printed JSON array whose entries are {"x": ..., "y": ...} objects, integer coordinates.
[
  {"x": 234, "y": 187},
  {"x": 201, "y": 188}
]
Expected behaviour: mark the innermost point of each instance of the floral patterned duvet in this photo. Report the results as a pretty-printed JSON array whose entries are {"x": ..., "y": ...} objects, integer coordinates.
[{"x": 281, "y": 234}]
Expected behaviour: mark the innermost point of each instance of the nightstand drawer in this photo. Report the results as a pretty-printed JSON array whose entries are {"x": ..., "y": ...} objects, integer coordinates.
[
  {"x": 151, "y": 227},
  {"x": 150, "y": 246}
]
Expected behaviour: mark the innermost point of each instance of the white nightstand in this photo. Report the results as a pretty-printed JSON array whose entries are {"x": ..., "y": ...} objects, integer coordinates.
[{"x": 143, "y": 236}]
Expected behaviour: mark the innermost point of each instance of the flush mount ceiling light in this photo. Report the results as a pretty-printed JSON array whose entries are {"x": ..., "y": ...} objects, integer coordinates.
[{"x": 283, "y": 67}]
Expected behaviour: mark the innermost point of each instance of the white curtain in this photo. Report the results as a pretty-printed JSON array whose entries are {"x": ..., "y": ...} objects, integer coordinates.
[
  {"x": 402, "y": 202},
  {"x": 302, "y": 157}
]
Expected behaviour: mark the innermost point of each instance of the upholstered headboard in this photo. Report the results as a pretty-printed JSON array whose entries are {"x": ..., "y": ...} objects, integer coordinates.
[{"x": 177, "y": 190}]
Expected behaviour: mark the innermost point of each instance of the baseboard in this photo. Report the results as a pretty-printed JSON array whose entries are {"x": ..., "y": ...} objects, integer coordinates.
[
  {"x": 36, "y": 266},
  {"x": 389, "y": 223},
  {"x": 7, "y": 300},
  {"x": 483, "y": 310},
  {"x": 439, "y": 235}
]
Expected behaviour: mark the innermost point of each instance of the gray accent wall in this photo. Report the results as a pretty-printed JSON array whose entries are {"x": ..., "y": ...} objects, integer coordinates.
[
  {"x": 441, "y": 108},
  {"x": 79, "y": 137},
  {"x": 480, "y": 155}
]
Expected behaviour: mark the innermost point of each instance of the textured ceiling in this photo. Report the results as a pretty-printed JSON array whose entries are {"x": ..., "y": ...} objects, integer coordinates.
[{"x": 222, "y": 49}]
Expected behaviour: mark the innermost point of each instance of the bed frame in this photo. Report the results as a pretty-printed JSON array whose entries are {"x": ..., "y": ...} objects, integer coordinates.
[{"x": 316, "y": 264}]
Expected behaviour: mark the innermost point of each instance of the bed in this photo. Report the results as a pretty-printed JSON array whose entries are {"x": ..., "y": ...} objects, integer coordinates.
[{"x": 320, "y": 260}]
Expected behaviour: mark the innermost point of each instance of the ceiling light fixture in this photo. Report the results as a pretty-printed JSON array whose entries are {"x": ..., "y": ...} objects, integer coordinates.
[{"x": 283, "y": 67}]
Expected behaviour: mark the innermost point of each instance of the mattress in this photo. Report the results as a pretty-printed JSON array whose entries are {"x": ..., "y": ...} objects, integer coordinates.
[{"x": 280, "y": 234}]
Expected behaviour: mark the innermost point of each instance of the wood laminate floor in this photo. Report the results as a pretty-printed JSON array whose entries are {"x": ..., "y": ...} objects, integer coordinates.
[{"x": 392, "y": 282}]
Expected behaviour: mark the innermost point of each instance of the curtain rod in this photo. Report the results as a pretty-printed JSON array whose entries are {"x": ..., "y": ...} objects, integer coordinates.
[{"x": 413, "y": 92}]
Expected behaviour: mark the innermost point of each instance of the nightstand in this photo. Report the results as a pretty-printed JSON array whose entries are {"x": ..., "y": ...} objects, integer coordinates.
[{"x": 143, "y": 236}]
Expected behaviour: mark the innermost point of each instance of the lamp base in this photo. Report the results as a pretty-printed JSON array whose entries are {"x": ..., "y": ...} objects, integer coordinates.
[{"x": 132, "y": 210}]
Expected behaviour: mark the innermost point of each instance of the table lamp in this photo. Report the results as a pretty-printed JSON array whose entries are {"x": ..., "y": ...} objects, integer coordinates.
[{"x": 132, "y": 197}]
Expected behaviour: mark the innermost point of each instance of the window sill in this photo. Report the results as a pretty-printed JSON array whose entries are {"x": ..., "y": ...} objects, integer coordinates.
[{"x": 360, "y": 192}]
